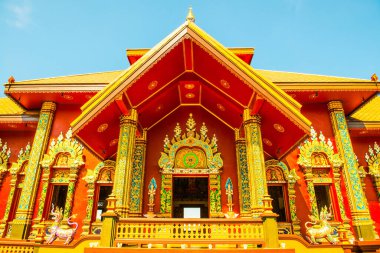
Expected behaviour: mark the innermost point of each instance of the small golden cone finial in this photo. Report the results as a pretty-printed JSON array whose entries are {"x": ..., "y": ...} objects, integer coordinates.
[
  {"x": 374, "y": 78},
  {"x": 11, "y": 79},
  {"x": 190, "y": 16}
]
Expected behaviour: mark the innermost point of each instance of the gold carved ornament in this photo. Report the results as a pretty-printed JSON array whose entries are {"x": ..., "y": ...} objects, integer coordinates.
[
  {"x": 190, "y": 152},
  {"x": 278, "y": 173},
  {"x": 58, "y": 150},
  {"x": 64, "y": 158},
  {"x": 17, "y": 171},
  {"x": 373, "y": 160},
  {"x": 317, "y": 152},
  {"x": 103, "y": 173},
  {"x": 22, "y": 157},
  {"x": 5, "y": 153},
  {"x": 317, "y": 157}
]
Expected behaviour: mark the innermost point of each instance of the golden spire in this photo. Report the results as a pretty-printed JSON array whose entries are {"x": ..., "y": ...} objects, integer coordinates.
[
  {"x": 374, "y": 78},
  {"x": 190, "y": 17}
]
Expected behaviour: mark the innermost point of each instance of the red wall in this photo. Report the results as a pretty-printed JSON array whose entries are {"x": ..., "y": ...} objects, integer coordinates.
[
  {"x": 318, "y": 114},
  {"x": 302, "y": 196},
  {"x": 15, "y": 141},
  {"x": 226, "y": 146}
]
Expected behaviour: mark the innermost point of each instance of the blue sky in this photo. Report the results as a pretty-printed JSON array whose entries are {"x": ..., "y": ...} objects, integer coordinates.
[{"x": 44, "y": 38}]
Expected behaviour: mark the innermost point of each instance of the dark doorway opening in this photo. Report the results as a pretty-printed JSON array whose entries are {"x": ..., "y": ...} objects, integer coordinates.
[
  {"x": 276, "y": 192},
  {"x": 190, "y": 197}
]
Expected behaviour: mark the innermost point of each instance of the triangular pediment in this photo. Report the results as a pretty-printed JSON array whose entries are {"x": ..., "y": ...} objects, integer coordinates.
[{"x": 190, "y": 68}]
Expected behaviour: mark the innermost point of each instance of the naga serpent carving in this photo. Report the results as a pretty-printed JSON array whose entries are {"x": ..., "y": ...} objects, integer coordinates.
[
  {"x": 320, "y": 228},
  {"x": 57, "y": 232}
]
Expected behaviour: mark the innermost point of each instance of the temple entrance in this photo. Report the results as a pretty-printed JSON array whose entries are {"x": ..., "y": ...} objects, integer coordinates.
[{"x": 190, "y": 197}]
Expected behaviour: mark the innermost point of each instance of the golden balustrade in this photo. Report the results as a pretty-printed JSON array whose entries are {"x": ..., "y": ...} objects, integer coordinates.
[
  {"x": 189, "y": 231},
  {"x": 21, "y": 247}
]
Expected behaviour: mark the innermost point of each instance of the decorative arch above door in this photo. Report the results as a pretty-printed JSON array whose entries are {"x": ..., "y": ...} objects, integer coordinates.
[{"x": 191, "y": 153}]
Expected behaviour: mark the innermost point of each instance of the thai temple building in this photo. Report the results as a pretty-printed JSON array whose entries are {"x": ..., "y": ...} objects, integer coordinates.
[{"x": 190, "y": 148}]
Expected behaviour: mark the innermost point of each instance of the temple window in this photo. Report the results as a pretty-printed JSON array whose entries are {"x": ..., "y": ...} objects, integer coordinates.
[
  {"x": 323, "y": 197},
  {"x": 99, "y": 184},
  {"x": 17, "y": 191},
  {"x": 101, "y": 206},
  {"x": 322, "y": 169},
  {"x": 17, "y": 181},
  {"x": 277, "y": 189},
  {"x": 60, "y": 166},
  {"x": 58, "y": 197},
  {"x": 102, "y": 191}
]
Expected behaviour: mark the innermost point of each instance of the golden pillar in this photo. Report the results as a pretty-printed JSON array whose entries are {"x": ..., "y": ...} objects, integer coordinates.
[
  {"x": 255, "y": 162},
  {"x": 22, "y": 222},
  {"x": 244, "y": 192},
  {"x": 361, "y": 219},
  {"x": 124, "y": 163},
  {"x": 137, "y": 177}
]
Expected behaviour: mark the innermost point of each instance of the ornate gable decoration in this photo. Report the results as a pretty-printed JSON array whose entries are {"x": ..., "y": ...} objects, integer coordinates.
[
  {"x": 5, "y": 153},
  {"x": 373, "y": 160},
  {"x": 23, "y": 156},
  {"x": 58, "y": 149},
  {"x": 317, "y": 152},
  {"x": 104, "y": 172},
  {"x": 190, "y": 152}
]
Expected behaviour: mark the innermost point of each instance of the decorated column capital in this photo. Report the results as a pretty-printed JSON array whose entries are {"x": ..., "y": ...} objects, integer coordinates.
[
  {"x": 335, "y": 106},
  {"x": 130, "y": 119},
  {"x": 48, "y": 107},
  {"x": 248, "y": 118}
]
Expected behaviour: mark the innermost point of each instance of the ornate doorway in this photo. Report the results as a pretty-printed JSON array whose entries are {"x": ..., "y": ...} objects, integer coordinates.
[
  {"x": 190, "y": 197},
  {"x": 187, "y": 158}
]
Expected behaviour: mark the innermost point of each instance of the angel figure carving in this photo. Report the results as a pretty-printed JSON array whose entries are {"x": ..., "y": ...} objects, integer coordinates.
[
  {"x": 320, "y": 228},
  {"x": 57, "y": 232}
]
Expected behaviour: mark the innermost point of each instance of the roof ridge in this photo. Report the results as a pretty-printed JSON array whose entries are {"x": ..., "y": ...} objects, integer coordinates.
[
  {"x": 73, "y": 75},
  {"x": 321, "y": 75}
]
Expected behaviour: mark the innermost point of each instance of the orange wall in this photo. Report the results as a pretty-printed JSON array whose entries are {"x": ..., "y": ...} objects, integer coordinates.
[{"x": 226, "y": 146}]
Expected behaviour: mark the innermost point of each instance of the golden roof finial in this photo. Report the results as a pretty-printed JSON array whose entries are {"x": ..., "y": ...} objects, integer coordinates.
[
  {"x": 190, "y": 16},
  {"x": 11, "y": 79},
  {"x": 374, "y": 78}
]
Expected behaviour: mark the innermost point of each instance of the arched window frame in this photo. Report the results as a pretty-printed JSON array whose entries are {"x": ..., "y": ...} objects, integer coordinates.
[
  {"x": 90, "y": 225},
  {"x": 309, "y": 150},
  {"x": 56, "y": 172},
  {"x": 17, "y": 179},
  {"x": 288, "y": 181},
  {"x": 373, "y": 160},
  {"x": 5, "y": 153}
]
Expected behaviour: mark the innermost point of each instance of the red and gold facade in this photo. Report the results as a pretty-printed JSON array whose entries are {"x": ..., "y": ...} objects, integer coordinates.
[{"x": 190, "y": 124}]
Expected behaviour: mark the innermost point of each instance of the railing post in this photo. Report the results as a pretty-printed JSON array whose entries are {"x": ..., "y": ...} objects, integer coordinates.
[
  {"x": 269, "y": 224},
  {"x": 108, "y": 234}
]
